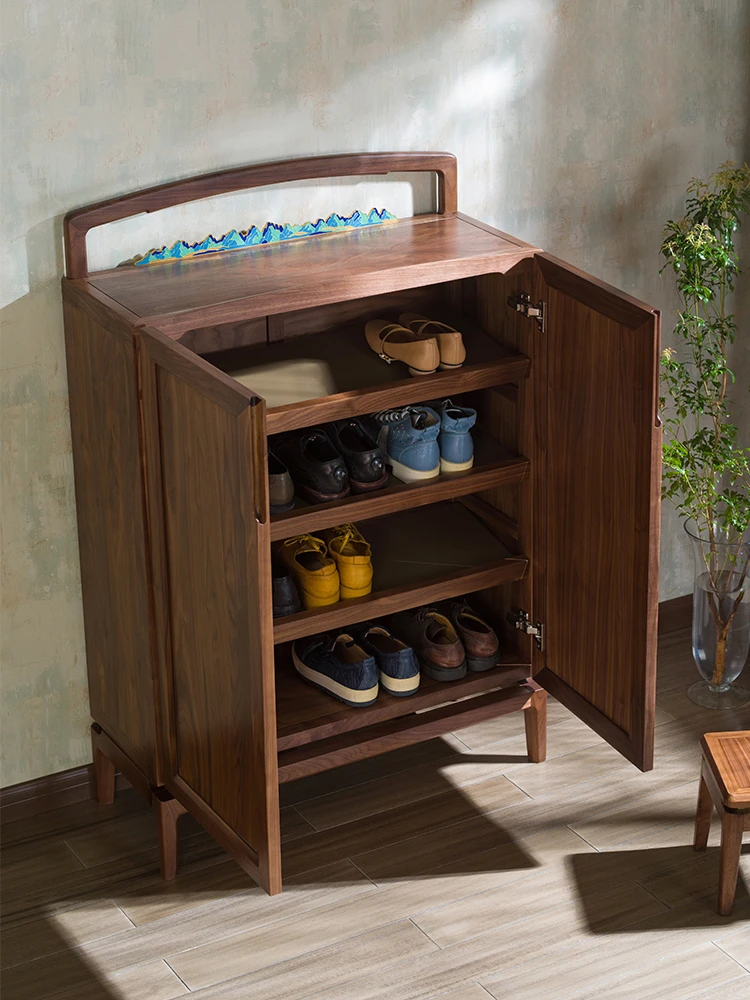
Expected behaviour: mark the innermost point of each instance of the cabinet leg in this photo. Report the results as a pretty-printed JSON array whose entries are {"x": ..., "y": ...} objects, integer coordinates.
[
  {"x": 703, "y": 813},
  {"x": 104, "y": 774},
  {"x": 168, "y": 812},
  {"x": 731, "y": 845},
  {"x": 535, "y": 720}
]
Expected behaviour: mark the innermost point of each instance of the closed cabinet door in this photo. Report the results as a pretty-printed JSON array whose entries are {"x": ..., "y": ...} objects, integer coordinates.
[
  {"x": 596, "y": 590},
  {"x": 209, "y": 535}
]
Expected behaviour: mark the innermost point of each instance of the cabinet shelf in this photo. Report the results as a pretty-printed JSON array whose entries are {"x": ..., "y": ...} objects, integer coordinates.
[
  {"x": 493, "y": 466},
  {"x": 304, "y": 714},
  {"x": 419, "y": 557},
  {"x": 328, "y": 376}
]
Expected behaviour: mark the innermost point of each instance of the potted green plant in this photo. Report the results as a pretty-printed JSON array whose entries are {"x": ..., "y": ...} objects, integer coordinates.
[{"x": 706, "y": 468}]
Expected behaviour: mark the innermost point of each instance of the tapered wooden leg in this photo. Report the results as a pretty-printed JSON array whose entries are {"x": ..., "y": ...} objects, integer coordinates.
[
  {"x": 703, "y": 816},
  {"x": 731, "y": 847},
  {"x": 535, "y": 720},
  {"x": 168, "y": 812},
  {"x": 104, "y": 774}
]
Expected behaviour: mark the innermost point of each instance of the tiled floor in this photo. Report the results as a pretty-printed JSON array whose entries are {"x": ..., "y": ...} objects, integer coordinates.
[{"x": 452, "y": 869}]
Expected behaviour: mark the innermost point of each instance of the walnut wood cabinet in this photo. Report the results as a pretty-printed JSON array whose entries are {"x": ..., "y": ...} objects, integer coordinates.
[{"x": 192, "y": 692}]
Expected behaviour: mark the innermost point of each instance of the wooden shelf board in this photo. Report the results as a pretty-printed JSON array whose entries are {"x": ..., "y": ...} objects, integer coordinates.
[
  {"x": 344, "y": 748},
  {"x": 328, "y": 376},
  {"x": 493, "y": 466},
  {"x": 280, "y": 277},
  {"x": 305, "y": 714},
  {"x": 419, "y": 557}
]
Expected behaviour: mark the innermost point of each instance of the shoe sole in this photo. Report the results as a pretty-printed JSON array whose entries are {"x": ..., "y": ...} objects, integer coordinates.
[
  {"x": 288, "y": 609},
  {"x": 445, "y": 366},
  {"x": 416, "y": 372},
  {"x": 444, "y": 674},
  {"x": 281, "y": 508},
  {"x": 348, "y": 595},
  {"x": 399, "y": 687},
  {"x": 349, "y": 696},
  {"x": 368, "y": 487},
  {"x": 446, "y": 466},
  {"x": 407, "y": 475},
  {"x": 314, "y": 497},
  {"x": 478, "y": 664}
]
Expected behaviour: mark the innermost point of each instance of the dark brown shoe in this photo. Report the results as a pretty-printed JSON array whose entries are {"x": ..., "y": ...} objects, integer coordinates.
[
  {"x": 435, "y": 641},
  {"x": 280, "y": 485},
  {"x": 479, "y": 639}
]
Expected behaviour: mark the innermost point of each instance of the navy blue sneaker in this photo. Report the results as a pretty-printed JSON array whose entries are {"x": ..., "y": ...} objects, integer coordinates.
[
  {"x": 335, "y": 663},
  {"x": 397, "y": 662}
]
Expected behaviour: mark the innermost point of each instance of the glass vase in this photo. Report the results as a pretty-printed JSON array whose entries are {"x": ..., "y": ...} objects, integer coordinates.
[{"x": 721, "y": 617}]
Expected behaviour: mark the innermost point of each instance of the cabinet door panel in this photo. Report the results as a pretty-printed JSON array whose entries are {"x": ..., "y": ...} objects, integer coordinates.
[
  {"x": 205, "y": 442},
  {"x": 602, "y": 506}
]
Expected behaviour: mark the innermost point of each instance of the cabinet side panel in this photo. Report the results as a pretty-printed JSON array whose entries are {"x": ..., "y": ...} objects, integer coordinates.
[
  {"x": 104, "y": 419},
  {"x": 216, "y": 658}
]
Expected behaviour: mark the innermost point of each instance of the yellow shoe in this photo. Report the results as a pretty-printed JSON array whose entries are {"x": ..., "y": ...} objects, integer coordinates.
[
  {"x": 353, "y": 558},
  {"x": 313, "y": 570}
]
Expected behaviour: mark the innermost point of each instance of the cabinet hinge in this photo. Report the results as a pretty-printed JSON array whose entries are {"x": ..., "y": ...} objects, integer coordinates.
[
  {"x": 521, "y": 620},
  {"x": 521, "y": 302}
]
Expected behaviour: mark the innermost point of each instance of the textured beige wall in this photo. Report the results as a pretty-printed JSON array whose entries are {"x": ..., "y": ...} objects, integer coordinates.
[{"x": 576, "y": 124}]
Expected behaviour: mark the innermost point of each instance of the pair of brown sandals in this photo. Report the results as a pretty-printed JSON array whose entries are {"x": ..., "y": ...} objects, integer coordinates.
[{"x": 423, "y": 344}]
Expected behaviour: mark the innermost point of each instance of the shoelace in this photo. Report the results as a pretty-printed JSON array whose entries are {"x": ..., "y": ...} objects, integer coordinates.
[
  {"x": 315, "y": 543},
  {"x": 348, "y": 533},
  {"x": 396, "y": 416}
]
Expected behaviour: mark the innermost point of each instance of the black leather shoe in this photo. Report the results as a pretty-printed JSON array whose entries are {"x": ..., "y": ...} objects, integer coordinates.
[
  {"x": 367, "y": 469},
  {"x": 318, "y": 471},
  {"x": 284, "y": 593}
]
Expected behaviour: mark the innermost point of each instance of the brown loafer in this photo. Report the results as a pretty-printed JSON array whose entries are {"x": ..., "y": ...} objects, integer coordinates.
[
  {"x": 479, "y": 639},
  {"x": 394, "y": 342},
  {"x": 435, "y": 641}
]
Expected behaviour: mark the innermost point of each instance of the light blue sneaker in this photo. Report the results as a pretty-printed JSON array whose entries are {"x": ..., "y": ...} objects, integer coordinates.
[
  {"x": 408, "y": 441},
  {"x": 456, "y": 445}
]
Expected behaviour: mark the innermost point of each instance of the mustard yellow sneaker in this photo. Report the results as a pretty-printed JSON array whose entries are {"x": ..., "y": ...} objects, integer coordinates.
[
  {"x": 353, "y": 558},
  {"x": 314, "y": 570}
]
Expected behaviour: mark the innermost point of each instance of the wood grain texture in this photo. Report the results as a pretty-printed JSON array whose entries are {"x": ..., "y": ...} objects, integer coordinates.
[
  {"x": 602, "y": 526},
  {"x": 299, "y": 274},
  {"x": 78, "y": 222},
  {"x": 535, "y": 723},
  {"x": 104, "y": 420},
  {"x": 311, "y": 758},
  {"x": 728, "y": 757},
  {"x": 220, "y": 669}
]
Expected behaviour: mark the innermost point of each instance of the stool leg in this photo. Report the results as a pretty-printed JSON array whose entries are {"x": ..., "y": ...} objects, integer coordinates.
[
  {"x": 731, "y": 846},
  {"x": 702, "y": 816}
]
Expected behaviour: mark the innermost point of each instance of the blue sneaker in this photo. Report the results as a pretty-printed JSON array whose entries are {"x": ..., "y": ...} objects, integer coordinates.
[
  {"x": 456, "y": 445},
  {"x": 408, "y": 440},
  {"x": 337, "y": 665},
  {"x": 397, "y": 662}
]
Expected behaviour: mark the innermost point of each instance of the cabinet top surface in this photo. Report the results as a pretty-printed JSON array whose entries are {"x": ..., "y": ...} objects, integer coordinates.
[{"x": 297, "y": 274}]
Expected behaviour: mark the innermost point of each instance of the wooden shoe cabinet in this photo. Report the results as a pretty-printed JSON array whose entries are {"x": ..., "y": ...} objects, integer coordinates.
[{"x": 553, "y": 532}]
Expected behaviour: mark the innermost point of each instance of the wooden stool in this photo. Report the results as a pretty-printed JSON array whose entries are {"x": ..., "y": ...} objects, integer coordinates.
[{"x": 725, "y": 782}]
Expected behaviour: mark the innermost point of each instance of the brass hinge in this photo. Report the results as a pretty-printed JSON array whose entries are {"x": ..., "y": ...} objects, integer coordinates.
[
  {"x": 521, "y": 302},
  {"x": 521, "y": 620}
]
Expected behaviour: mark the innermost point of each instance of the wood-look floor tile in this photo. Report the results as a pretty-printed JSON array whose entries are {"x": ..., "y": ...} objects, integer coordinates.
[
  {"x": 737, "y": 946},
  {"x": 693, "y": 878},
  {"x": 679, "y": 706},
  {"x": 57, "y": 823},
  {"x": 324, "y": 967},
  {"x": 27, "y": 865},
  {"x": 696, "y": 970},
  {"x": 410, "y": 820},
  {"x": 592, "y": 763},
  {"x": 423, "y": 782},
  {"x": 738, "y": 989},
  {"x": 368, "y": 769},
  {"x": 188, "y": 930},
  {"x": 59, "y": 932},
  {"x": 472, "y": 992},
  {"x": 293, "y": 824},
  {"x": 154, "y": 981},
  {"x": 123, "y": 837},
  {"x": 207, "y": 885}
]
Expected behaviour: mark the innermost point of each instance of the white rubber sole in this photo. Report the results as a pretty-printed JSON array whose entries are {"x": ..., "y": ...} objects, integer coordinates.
[
  {"x": 407, "y": 475},
  {"x": 399, "y": 685},
  {"x": 351, "y": 696},
  {"x": 446, "y": 466}
]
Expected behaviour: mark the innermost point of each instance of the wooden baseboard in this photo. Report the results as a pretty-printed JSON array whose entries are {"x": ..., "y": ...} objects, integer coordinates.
[
  {"x": 52, "y": 791},
  {"x": 67, "y": 787},
  {"x": 674, "y": 614}
]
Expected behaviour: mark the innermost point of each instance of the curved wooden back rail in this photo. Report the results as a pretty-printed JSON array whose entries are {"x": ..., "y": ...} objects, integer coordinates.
[{"x": 78, "y": 222}]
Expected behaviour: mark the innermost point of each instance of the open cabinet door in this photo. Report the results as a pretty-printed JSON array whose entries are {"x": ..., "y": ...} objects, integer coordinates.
[
  {"x": 598, "y": 592},
  {"x": 208, "y": 521}
]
